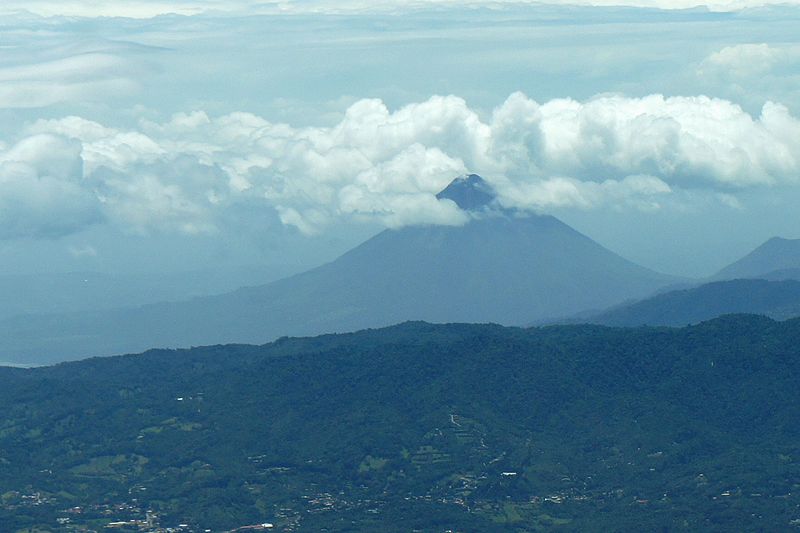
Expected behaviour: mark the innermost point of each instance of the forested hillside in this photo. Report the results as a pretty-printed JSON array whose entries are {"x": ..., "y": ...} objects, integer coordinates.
[{"x": 418, "y": 427}]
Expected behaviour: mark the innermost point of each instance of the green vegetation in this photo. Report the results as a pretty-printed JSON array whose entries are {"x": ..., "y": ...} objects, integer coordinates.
[
  {"x": 372, "y": 463},
  {"x": 417, "y": 427}
]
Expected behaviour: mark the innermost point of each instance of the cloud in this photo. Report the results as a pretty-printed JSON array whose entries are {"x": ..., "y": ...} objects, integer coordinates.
[
  {"x": 640, "y": 192},
  {"x": 152, "y": 8},
  {"x": 92, "y": 8},
  {"x": 689, "y": 141},
  {"x": 42, "y": 190},
  {"x": 79, "y": 77},
  {"x": 398, "y": 192},
  {"x": 85, "y": 250},
  {"x": 194, "y": 172},
  {"x": 361, "y": 5},
  {"x": 741, "y": 60},
  {"x": 754, "y": 72}
]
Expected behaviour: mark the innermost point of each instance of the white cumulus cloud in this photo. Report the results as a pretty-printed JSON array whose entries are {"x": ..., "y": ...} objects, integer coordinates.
[
  {"x": 741, "y": 60},
  {"x": 42, "y": 189},
  {"x": 195, "y": 172}
]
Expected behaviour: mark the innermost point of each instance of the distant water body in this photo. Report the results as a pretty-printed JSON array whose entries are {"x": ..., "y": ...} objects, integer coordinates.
[{"x": 17, "y": 365}]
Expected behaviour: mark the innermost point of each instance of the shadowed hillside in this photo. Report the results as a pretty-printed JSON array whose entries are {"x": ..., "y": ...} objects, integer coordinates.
[{"x": 776, "y": 299}]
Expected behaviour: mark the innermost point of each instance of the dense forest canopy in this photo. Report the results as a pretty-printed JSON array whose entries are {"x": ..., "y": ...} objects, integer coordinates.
[{"x": 466, "y": 427}]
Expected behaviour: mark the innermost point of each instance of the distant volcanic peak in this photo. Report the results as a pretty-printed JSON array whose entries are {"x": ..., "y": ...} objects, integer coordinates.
[
  {"x": 781, "y": 241},
  {"x": 469, "y": 192},
  {"x": 773, "y": 256},
  {"x": 779, "y": 248}
]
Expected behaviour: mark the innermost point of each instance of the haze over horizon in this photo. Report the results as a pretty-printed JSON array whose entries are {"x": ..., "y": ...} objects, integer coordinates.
[{"x": 175, "y": 136}]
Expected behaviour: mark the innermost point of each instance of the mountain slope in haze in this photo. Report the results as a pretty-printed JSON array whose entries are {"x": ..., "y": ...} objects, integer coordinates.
[
  {"x": 38, "y": 293},
  {"x": 419, "y": 427},
  {"x": 500, "y": 267},
  {"x": 776, "y": 257},
  {"x": 765, "y": 282},
  {"x": 776, "y": 299},
  {"x": 783, "y": 274}
]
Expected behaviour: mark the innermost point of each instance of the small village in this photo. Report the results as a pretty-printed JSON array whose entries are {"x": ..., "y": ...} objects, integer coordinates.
[
  {"x": 548, "y": 509},
  {"x": 462, "y": 470}
]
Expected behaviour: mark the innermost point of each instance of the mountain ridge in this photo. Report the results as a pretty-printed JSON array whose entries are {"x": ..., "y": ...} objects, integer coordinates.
[
  {"x": 775, "y": 254},
  {"x": 776, "y": 299},
  {"x": 764, "y": 281}
]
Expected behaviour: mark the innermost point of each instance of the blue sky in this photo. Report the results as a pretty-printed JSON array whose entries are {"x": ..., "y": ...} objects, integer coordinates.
[{"x": 167, "y": 135}]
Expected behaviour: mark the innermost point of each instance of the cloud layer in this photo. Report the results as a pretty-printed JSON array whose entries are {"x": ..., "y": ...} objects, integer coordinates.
[
  {"x": 195, "y": 173},
  {"x": 153, "y": 8}
]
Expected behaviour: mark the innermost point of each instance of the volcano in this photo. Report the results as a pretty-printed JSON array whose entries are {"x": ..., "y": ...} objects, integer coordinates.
[{"x": 502, "y": 266}]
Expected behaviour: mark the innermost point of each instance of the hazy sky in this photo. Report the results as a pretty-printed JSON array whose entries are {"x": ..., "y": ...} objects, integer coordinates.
[{"x": 168, "y": 135}]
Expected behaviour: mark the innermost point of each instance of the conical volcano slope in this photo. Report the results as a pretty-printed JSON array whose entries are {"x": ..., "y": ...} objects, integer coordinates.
[{"x": 500, "y": 267}]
